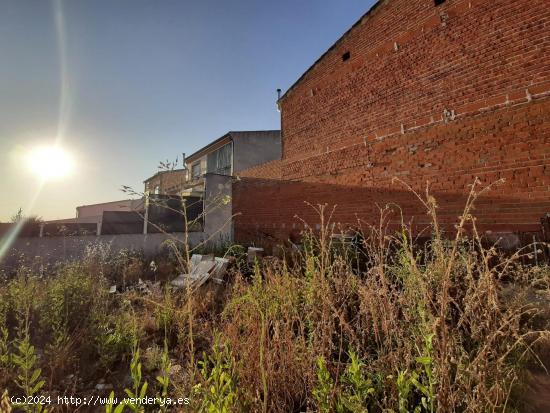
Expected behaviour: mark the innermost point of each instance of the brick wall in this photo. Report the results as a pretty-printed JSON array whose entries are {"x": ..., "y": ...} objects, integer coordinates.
[
  {"x": 440, "y": 94},
  {"x": 268, "y": 170},
  {"x": 169, "y": 182},
  {"x": 484, "y": 51},
  {"x": 513, "y": 146}
]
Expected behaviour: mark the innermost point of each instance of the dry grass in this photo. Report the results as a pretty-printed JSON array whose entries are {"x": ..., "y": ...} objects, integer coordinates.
[{"x": 452, "y": 326}]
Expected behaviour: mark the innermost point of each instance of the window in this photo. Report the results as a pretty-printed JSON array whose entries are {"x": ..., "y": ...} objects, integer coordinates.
[
  {"x": 346, "y": 56},
  {"x": 196, "y": 170},
  {"x": 219, "y": 161},
  {"x": 156, "y": 191},
  {"x": 438, "y": 2}
]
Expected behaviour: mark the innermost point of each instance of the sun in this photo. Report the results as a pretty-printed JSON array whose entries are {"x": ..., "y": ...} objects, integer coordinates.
[{"x": 50, "y": 162}]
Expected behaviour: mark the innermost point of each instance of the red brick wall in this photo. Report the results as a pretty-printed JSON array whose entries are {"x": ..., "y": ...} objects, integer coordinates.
[
  {"x": 440, "y": 94},
  {"x": 486, "y": 50},
  {"x": 270, "y": 170},
  {"x": 512, "y": 144}
]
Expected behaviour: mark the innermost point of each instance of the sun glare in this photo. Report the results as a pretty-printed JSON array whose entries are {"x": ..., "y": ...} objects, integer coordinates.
[{"x": 50, "y": 162}]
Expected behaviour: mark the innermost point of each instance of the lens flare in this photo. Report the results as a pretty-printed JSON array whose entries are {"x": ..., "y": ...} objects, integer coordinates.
[{"x": 50, "y": 162}]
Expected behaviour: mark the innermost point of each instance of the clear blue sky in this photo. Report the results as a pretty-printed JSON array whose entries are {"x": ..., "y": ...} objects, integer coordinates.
[{"x": 144, "y": 80}]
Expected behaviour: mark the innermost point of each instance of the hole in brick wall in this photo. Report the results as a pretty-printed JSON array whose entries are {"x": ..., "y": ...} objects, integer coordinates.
[
  {"x": 346, "y": 56},
  {"x": 438, "y": 2}
]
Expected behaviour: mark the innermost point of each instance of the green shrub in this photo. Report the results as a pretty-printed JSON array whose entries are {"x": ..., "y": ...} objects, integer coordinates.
[
  {"x": 116, "y": 336},
  {"x": 323, "y": 392},
  {"x": 218, "y": 390},
  {"x": 358, "y": 390}
]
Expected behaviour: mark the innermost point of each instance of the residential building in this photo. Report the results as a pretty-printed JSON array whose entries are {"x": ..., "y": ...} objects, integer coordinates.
[
  {"x": 96, "y": 210},
  {"x": 89, "y": 218},
  {"x": 232, "y": 153},
  {"x": 228, "y": 155},
  {"x": 168, "y": 182}
]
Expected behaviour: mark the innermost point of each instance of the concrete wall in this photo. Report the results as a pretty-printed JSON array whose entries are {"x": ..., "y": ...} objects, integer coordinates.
[
  {"x": 218, "y": 231},
  {"x": 255, "y": 148},
  {"x": 55, "y": 249},
  {"x": 218, "y": 225}
]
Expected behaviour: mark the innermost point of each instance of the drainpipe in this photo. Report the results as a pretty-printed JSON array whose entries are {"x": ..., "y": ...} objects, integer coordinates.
[
  {"x": 232, "y": 157},
  {"x": 280, "y": 120}
]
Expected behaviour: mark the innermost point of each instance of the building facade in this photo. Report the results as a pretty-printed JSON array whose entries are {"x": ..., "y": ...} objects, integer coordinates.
[
  {"x": 232, "y": 153},
  {"x": 169, "y": 182},
  {"x": 235, "y": 152},
  {"x": 429, "y": 92}
]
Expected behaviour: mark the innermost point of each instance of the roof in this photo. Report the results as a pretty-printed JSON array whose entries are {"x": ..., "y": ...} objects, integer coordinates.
[
  {"x": 164, "y": 172},
  {"x": 82, "y": 220},
  {"x": 336, "y": 43},
  {"x": 106, "y": 203},
  {"x": 229, "y": 136}
]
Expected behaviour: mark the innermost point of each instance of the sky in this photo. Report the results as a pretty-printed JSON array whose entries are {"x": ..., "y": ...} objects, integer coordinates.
[{"x": 124, "y": 84}]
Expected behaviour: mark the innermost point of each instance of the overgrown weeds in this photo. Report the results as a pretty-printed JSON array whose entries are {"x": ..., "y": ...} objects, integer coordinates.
[{"x": 448, "y": 326}]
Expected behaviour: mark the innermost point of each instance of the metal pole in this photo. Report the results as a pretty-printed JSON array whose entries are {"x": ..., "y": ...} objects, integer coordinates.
[{"x": 146, "y": 216}]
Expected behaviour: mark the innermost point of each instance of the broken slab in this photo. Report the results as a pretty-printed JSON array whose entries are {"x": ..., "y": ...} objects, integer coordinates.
[
  {"x": 202, "y": 269},
  {"x": 218, "y": 272}
]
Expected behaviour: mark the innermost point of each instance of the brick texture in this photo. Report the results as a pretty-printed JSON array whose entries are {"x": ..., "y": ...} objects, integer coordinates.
[
  {"x": 168, "y": 182},
  {"x": 430, "y": 94}
]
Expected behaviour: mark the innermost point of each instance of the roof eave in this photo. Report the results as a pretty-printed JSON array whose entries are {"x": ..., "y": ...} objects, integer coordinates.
[{"x": 195, "y": 155}]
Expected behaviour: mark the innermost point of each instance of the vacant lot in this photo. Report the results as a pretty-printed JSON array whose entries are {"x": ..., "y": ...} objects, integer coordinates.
[{"x": 383, "y": 326}]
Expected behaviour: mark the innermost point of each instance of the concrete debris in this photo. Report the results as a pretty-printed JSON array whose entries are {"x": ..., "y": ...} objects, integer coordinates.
[
  {"x": 143, "y": 287},
  {"x": 198, "y": 275},
  {"x": 253, "y": 254},
  {"x": 219, "y": 270},
  {"x": 196, "y": 258},
  {"x": 203, "y": 268}
]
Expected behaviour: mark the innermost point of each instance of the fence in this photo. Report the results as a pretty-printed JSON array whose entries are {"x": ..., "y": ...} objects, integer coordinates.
[{"x": 51, "y": 250}]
